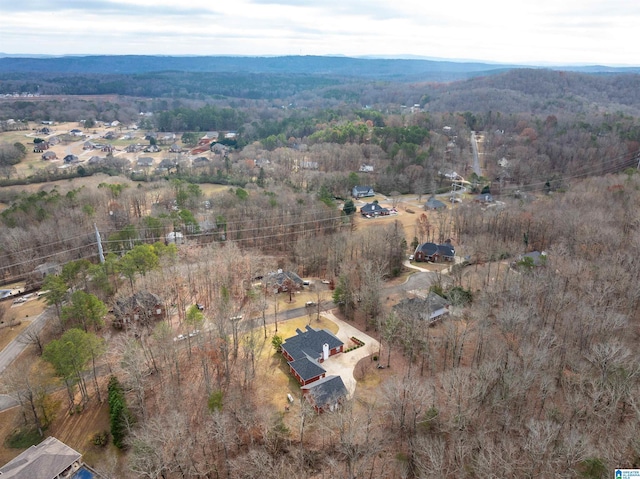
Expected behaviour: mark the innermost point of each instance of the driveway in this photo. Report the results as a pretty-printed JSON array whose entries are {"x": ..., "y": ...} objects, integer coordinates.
[{"x": 343, "y": 364}]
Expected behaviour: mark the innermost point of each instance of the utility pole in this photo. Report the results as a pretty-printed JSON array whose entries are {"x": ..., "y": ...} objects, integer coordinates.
[{"x": 99, "y": 241}]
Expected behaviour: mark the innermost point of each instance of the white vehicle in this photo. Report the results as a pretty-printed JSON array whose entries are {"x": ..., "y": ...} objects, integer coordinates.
[
  {"x": 193, "y": 333},
  {"x": 19, "y": 300},
  {"x": 308, "y": 304},
  {"x": 180, "y": 337}
]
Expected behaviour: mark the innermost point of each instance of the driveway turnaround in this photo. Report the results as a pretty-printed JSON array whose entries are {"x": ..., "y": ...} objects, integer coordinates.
[{"x": 343, "y": 364}]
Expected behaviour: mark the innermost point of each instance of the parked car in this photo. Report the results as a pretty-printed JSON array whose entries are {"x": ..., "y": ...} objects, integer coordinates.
[
  {"x": 180, "y": 337},
  {"x": 19, "y": 300},
  {"x": 308, "y": 304}
]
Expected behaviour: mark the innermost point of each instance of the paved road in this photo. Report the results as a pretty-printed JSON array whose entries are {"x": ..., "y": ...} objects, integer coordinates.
[
  {"x": 421, "y": 280},
  {"x": 15, "y": 347}
]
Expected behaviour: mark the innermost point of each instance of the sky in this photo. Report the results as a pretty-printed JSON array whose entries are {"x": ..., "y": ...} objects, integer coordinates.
[{"x": 505, "y": 31}]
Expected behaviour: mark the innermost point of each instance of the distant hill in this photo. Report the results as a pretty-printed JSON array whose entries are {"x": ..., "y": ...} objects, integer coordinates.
[{"x": 390, "y": 69}]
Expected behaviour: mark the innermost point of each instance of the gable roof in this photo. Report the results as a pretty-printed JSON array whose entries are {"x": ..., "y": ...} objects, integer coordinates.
[
  {"x": 373, "y": 209},
  {"x": 309, "y": 343},
  {"x": 429, "y": 249},
  {"x": 279, "y": 277},
  {"x": 45, "y": 461},
  {"x": 362, "y": 189},
  {"x": 446, "y": 250},
  {"x": 428, "y": 308},
  {"x": 142, "y": 299},
  {"x": 326, "y": 391},
  {"x": 307, "y": 368},
  {"x": 434, "y": 204}
]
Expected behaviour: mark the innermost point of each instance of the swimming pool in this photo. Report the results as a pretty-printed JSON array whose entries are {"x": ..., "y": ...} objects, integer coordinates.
[{"x": 83, "y": 473}]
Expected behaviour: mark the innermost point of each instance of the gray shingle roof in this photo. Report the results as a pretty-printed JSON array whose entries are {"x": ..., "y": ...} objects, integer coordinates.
[
  {"x": 307, "y": 368},
  {"x": 309, "y": 343},
  {"x": 326, "y": 391},
  {"x": 44, "y": 461}
]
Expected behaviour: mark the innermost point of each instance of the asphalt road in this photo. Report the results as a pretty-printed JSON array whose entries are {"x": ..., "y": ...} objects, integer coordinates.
[
  {"x": 419, "y": 280},
  {"x": 15, "y": 348}
]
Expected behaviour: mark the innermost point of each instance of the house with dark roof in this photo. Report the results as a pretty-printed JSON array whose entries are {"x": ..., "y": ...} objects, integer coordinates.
[
  {"x": 141, "y": 308},
  {"x": 431, "y": 308},
  {"x": 51, "y": 459},
  {"x": 434, "y": 204},
  {"x": 200, "y": 162},
  {"x": 373, "y": 209},
  {"x": 307, "y": 350},
  {"x": 71, "y": 159},
  {"x": 144, "y": 162},
  {"x": 362, "y": 191},
  {"x": 280, "y": 279},
  {"x": 326, "y": 393},
  {"x": 434, "y": 252},
  {"x": 49, "y": 155}
]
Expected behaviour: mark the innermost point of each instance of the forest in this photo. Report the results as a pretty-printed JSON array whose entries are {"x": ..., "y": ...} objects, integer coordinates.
[{"x": 531, "y": 373}]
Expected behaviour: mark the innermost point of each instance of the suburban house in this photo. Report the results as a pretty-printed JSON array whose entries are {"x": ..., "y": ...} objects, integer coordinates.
[
  {"x": 133, "y": 148},
  {"x": 362, "y": 191},
  {"x": 49, "y": 155},
  {"x": 366, "y": 169},
  {"x": 152, "y": 149},
  {"x": 280, "y": 279},
  {"x": 434, "y": 252},
  {"x": 434, "y": 204},
  {"x": 430, "y": 308},
  {"x": 533, "y": 259},
  {"x": 144, "y": 162},
  {"x": 200, "y": 162},
  {"x": 208, "y": 138},
  {"x": 373, "y": 209},
  {"x": 307, "y": 349},
  {"x": 40, "y": 147},
  {"x": 71, "y": 159},
  {"x": 76, "y": 132},
  {"x": 326, "y": 393},
  {"x": 51, "y": 459},
  {"x": 143, "y": 307},
  {"x": 175, "y": 148}
]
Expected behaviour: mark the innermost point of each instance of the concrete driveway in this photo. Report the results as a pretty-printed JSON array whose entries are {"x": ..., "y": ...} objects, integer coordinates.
[{"x": 343, "y": 364}]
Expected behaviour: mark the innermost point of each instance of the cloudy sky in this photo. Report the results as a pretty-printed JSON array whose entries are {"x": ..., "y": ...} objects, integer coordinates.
[{"x": 515, "y": 31}]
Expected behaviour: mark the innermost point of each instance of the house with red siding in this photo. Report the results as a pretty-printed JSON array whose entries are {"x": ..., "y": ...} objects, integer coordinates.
[{"x": 307, "y": 350}]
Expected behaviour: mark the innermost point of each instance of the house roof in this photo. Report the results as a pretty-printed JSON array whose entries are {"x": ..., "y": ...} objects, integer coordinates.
[
  {"x": 429, "y": 249},
  {"x": 372, "y": 209},
  {"x": 309, "y": 343},
  {"x": 307, "y": 368},
  {"x": 434, "y": 204},
  {"x": 429, "y": 307},
  {"x": 362, "y": 189},
  {"x": 142, "y": 299},
  {"x": 446, "y": 250},
  {"x": 326, "y": 391},
  {"x": 279, "y": 277},
  {"x": 145, "y": 161},
  {"x": 45, "y": 461}
]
